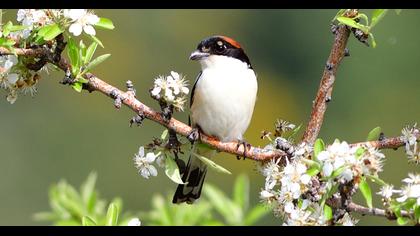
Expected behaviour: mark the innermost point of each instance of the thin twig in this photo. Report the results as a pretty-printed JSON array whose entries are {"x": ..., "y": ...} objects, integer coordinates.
[
  {"x": 353, "y": 207},
  {"x": 388, "y": 143},
  {"x": 323, "y": 96}
]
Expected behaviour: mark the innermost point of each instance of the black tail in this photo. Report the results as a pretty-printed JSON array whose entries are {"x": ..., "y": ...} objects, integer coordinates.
[{"x": 194, "y": 174}]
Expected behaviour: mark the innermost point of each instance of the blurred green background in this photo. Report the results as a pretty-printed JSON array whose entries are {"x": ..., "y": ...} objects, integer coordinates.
[{"x": 62, "y": 134}]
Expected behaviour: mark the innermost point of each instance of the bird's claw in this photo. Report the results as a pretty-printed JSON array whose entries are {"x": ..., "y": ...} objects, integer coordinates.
[
  {"x": 194, "y": 135},
  {"x": 246, "y": 145}
]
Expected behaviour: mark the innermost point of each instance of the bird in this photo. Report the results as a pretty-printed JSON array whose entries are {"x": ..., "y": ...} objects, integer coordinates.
[{"x": 221, "y": 105}]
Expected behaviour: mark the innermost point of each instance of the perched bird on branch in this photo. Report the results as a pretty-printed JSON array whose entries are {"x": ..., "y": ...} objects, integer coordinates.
[{"x": 222, "y": 103}]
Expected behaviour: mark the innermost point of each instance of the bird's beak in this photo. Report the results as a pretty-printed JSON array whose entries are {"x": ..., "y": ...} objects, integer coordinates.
[{"x": 197, "y": 55}]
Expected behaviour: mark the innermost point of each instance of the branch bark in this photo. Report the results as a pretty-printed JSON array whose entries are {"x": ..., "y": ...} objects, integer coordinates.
[
  {"x": 388, "y": 143},
  {"x": 375, "y": 211},
  {"x": 323, "y": 96}
]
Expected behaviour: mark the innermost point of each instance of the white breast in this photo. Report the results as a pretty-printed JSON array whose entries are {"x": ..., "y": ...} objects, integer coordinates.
[{"x": 224, "y": 97}]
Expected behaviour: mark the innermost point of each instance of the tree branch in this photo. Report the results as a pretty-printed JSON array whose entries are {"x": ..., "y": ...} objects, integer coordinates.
[
  {"x": 323, "y": 96},
  {"x": 128, "y": 99},
  {"x": 375, "y": 211},
  {"x": 388, "y": 143}
]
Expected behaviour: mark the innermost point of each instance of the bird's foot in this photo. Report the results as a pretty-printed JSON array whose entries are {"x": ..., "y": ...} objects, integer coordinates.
[
  {"x": 194, "y": 135},
  {"x": 246, "y": 145}
]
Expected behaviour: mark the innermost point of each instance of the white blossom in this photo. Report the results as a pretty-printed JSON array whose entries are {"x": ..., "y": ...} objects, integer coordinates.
[
  {"x": 172, "y": 89},
  {"x": 347, "y": 220},
  {"x": 408, "y": 135},
  {"x": 31, "y": 18},
  {"x": 144, "y": 163},
  {"x": 412, "y": 179},
  {"x": 386, "y": 191},
  {"x": 411, "y": 144},
  {"x": 134, "y": 222},
  {"x": 82, "y": 21},
  {"x": 410, "y": 191},
  {"x": 12, "y": 96},
  {"x": 295, "y": 179}
]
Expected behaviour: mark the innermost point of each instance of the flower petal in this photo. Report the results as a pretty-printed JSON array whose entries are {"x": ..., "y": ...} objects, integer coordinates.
[
  {"x": 89, "y": 30},
  {"x": 76, "y": 29}
]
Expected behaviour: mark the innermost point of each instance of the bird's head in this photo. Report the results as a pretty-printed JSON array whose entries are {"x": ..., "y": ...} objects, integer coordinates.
[{"x": 219, "y": 46}]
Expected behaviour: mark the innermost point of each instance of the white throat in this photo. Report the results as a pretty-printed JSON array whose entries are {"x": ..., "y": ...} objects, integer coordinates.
[{"x": 222, "y": 62}]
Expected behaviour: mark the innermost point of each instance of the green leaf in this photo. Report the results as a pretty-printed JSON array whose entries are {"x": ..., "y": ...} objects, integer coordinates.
[
  {"x": 312, "y": 171},
  {"x": 73, "y": 54},
  {"x": 87, "y": 191},
  {"x": 366, "y": 192},
  {"x": 164, "y": 134},
  {"x": 330, "y": 192},
  {"x": 95, "y": 39},
  {"x": 319, "y": 146},
  {"x": 364, "y": 17},
  {"x": 409, "y": 203},
  {"x": 339, "y": 13},
  {"x": 53, "y": 31},
  {"x": 105, "y": 23},
  {"x": 87, "y": 221},
  {"x": 172, "y": 170},
  {"x": 77, "y": 86},
  {"x": 338, "y": 171},
  {"x": 18, "y": 28},
  {"x": 211, "y": 164},
  {"x": 43, "y": 30},
  {"x": 293, "y": 132},
  {"x": 328, "y": 214},
  {"x": 377, "y": 15},
  {"x": 89, "y": 52},
  {"x": 352, "y": 23},
  {"x": 372, "y": 40},
  {"x": 374, "y": 134},
  {"x": 359, "y": 152},
  {"x": 112, "y": 215},
  {"x": 402, "y": 221},
  {"x": 417, "y": 213},
  {"x": 398, "y": 11},
  {"x": 222, "y": 203},
  {"x": 241, "y": 191},
  {"x": 82, "y": 51},
  {"x": 4, "y": 42},
  {"x": 256, "y": 213},
  {"x": 6, "y": 28},
  {"x": 376, "y": 180},
  {"x": 96, "y": 62}
]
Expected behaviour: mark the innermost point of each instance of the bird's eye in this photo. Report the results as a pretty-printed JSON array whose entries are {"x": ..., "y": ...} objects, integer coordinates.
[{"x": 220, "y": 47}]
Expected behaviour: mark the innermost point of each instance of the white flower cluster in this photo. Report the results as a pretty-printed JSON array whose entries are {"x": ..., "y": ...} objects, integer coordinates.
[
  {"x": 296, "y": 191},
  {"x": 411, "y": 190},
  {"x": 13, "y": 75},
  {"x": 172, "y": 89},
  {"x": 144, "y": 162},
  {"x": 29, "y": 18},
  {"x": 79, "y": 20},
  {"x": 345, "y": 163},
  {"x": 134, "y": 222},
  {"x": 411, "y": 146},
  {"x": 12, "y": 82}
]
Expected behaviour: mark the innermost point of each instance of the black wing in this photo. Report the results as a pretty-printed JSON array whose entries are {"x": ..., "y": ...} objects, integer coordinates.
[{"x": 192, "y": 94}]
